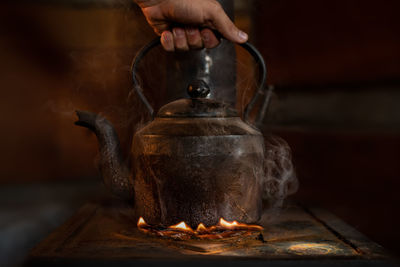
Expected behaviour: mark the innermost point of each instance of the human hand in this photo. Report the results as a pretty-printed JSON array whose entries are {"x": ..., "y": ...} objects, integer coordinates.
[{"x": 197, "y": 17}]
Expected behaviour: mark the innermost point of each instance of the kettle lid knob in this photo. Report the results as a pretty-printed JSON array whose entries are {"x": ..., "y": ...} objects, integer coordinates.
[{"x": 198, "y": 89}]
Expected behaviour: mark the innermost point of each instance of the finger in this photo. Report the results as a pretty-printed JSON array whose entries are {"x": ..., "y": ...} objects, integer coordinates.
[
  {"x": 167, "y": 41},
  {"x": 159, "y": 28},
  {"x": 180, "y": 39},
  {"x": 193, "y": 38},
  {"x": 225, "y": 26},
  {"x": 209, "y": 38}
]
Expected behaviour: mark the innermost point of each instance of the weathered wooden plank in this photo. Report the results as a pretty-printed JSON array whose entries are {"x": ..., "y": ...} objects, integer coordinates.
[
  {"x": 50, "y": 245},
  {"x": 351, "y": 236},
  {"x": 104, "y": 232}
]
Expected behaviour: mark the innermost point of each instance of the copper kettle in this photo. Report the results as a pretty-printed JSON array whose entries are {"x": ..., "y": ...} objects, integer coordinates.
[{"x": 196, "y": 161}]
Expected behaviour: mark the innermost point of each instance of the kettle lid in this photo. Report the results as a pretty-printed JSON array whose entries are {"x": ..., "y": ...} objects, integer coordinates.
[{"x": 197, "y": 106}]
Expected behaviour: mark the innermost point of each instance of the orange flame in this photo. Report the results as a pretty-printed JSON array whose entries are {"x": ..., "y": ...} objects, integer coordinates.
[
  {"x": 227, "y": 224},
  {"x": 181, "y": 226},
  {"x": 201, "y": 228},
  {"x": 202, "y": 232},
  {"x": 141, "y": 222},
  {"x": 236, "y": 225}
]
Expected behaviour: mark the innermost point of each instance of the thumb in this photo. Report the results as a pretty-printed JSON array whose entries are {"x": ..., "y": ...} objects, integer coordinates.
[{"x": 225, "y": 26}]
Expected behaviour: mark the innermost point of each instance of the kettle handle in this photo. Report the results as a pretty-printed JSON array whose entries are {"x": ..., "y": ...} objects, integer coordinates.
[
  {"x": 261, "y": 91},
  {"x": 142, "y": 52}
]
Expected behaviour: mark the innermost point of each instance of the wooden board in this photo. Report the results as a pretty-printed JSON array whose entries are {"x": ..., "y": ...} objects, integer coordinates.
[{"x": 104, "y": 232}]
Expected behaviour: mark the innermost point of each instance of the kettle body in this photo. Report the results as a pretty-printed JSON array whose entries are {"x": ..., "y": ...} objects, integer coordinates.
[{"x": 198, "y": 179}]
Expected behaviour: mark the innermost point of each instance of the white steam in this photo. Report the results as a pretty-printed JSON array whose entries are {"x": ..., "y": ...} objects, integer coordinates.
[{"x": 280, "y": 178}]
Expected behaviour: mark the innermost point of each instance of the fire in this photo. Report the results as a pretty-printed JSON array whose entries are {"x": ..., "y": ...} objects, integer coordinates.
[
  {"x": 181, "y": 226},
  {"x": 236, "y": 225},
  {"x": 141, "y": 222},
  {"x": 182, "y": 231},
  {"x": 228, "y": 225},
  {"x": 201, "y": 228}
]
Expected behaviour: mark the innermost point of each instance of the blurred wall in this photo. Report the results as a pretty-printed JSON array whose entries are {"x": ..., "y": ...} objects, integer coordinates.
[
  {"x": 336, "y": 68},
  {"x": 58, "y": 57},
  {"x": 318, "y": 42}
]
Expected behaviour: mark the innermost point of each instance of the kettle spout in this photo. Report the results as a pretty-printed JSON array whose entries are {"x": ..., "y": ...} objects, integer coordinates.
[{"x": 114, "y": 169}]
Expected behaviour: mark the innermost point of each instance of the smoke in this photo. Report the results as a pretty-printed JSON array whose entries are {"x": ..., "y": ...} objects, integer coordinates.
[{"x": 280, "y": 178}]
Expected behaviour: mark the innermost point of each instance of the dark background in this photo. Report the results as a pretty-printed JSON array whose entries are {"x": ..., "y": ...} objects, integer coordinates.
[{"x": 336, "y": 70}]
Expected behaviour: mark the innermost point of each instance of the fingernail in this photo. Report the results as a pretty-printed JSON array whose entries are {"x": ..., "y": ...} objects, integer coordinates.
[
  {"x": 178, "y": 32},
  {"x": 165, "y": 36},
  {"x": 242, "y": 36}
]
